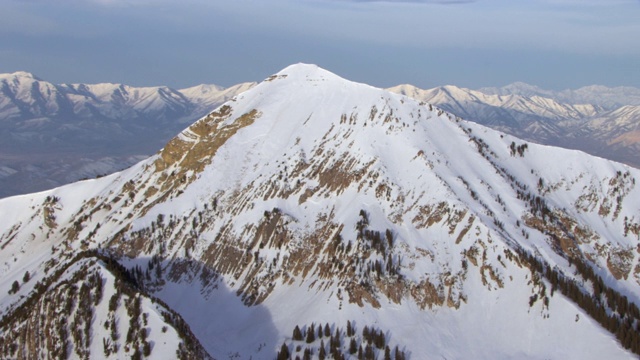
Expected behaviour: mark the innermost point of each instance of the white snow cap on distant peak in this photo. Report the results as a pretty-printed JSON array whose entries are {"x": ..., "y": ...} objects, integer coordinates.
[
  {"x": 306, "y": 71},
  {"x": 24, "y": 74},
  {"x": 19, "y": 74},
  {"x": 299, "y": 68}
]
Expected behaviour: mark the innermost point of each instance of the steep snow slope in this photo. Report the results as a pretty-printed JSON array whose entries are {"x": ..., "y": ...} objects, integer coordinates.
[{"x": 312, "y": 199}]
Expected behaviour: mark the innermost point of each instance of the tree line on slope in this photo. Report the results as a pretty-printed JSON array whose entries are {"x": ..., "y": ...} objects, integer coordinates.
[
  {"x": 370, "y": 344},
  {"x": 612, "y": 310}
]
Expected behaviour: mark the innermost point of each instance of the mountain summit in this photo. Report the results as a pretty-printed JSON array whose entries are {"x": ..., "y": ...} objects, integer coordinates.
[{"x": 311, "y": 215}]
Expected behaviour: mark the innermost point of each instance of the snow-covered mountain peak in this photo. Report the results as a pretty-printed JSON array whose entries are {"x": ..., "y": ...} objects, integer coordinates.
[
  {"x": 201, "y": 90},
  {"x": 21, "y": 83},
  {"x": 303, "y": 70},
  {"x": 310, "y": 199},
  {"x": 302, "y": 73},
  {"x": 516, "y": 88},
  {"x": 18, "y": 75},
  {"x": 290, "y": 110},
  {"x": 522, "y": 86}
]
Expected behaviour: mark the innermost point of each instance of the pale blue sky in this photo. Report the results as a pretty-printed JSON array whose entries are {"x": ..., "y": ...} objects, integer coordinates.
[{"x": 554, "y": 44}]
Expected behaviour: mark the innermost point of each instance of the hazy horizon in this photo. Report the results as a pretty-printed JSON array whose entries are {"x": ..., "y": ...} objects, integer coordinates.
[{"x": 553, "y": 44}]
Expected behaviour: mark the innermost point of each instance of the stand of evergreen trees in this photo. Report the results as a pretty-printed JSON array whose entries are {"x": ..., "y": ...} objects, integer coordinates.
[
  {"x": 608, "y": 307},
  {"x": 342, "y": 344}
]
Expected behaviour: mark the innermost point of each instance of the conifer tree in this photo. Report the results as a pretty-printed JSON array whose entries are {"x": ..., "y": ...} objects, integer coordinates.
[
  {"x": 399, "y": 355},
  {"x": 369, "y": 354},
  {"x": 333, "y": 348},
  {"x": 327, "y": 330},
  {"x": 311, "y": 335},
  {"x": 297, "y": 334},
  {"x": 137, "y": 355},
  {"x": 15, "y": 287},
  {"x": 353, "y": 346},
  {"x": 379, "y": 339},
  {"x": 284, "y": 352},
  {"x": 321, "y": 352}
]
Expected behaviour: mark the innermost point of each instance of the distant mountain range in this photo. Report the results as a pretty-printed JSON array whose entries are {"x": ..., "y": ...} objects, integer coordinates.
[
  {"x": 608, "y": 98},
  {"x": 598, "y": 120},
  {"x": 55, "y": 134}
]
